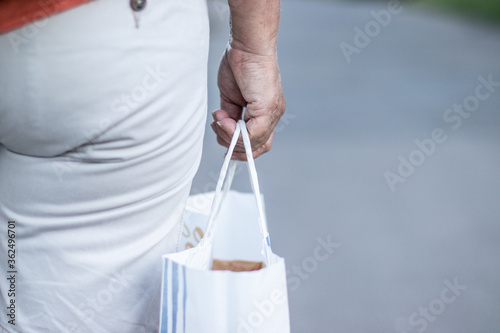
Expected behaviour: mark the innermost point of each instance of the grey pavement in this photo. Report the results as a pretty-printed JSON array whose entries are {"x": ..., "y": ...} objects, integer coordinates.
[{"x": 422, "y": 254}]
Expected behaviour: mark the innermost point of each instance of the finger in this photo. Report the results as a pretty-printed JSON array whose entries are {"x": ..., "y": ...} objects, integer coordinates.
[
  {"x": 264, "y": 148},
  {"x": 224, "y": 139},
  {"x": 220, "y": 133},
  {"x": 212, "y": 125},
  {"x": 226, "y": 119},
  {"x": 226, "y": 128},
  {"x": 238, "y": 152},
  {"x": 218, "y": 115},
  {"x": 256, "y": 151},
  {"x": 222, "y": 142},
  {"x": 215, "y": 128},
  {"x": 233, "y": 110},
  {"x": 260, "y": 130},
  {"x": 242, "y": 156},
  {"x": 261, "y": 136}
]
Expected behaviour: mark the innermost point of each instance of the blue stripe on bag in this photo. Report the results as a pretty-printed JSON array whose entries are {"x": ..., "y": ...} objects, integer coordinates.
[
  {"x": 175, "y": 294},
  {"x": 268, "y": 241},
  {"x": 184, "y": 298},
  {"x": 177, "y": 276},
  {"x": 164, "y": 319}
]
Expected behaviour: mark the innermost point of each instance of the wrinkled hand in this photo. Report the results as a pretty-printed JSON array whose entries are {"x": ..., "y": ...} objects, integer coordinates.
[{"x": 250, "y": 81}]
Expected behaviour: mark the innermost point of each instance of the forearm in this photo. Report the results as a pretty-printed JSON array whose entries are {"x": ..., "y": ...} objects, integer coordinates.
[{"x": 254, "y": 25}]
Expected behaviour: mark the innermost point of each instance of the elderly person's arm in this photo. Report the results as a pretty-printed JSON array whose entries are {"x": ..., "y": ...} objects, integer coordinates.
[{"x": 249, "y": 76}]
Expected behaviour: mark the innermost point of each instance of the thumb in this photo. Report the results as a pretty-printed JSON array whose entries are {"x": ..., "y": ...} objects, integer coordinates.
[
  {"x": 223, "y": 126},
  {"x": 228, "y": 125}
]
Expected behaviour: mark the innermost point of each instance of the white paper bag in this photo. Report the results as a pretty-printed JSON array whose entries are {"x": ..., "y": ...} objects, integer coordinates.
[{"x": 196, "y": 299}]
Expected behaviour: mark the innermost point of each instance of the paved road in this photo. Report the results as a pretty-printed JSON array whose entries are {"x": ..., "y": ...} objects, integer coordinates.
[{"x": 423, "y": 255}]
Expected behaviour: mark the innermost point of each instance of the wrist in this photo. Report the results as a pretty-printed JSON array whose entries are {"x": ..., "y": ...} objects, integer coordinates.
[{"x": 257, "y": 49}]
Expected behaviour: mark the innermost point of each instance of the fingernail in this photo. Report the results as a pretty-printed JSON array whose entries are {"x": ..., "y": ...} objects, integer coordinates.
[{"x": 219, "y": 123}]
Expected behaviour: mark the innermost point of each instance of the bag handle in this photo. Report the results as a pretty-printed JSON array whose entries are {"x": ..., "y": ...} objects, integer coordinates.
[
  {"x": 217, "y": 199},
  {"x": 254, "y": 180},
  {"x": 224, "y": 177}
]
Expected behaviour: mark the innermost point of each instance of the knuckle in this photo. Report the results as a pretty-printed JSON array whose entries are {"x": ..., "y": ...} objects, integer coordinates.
[
  {"x": 283, "y": 106},
  {"x": 221, "y": 141},
  {"x": 267, "y": 147}
]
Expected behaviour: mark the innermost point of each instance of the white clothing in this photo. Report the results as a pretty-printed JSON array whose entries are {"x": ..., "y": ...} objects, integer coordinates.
[{"x": 101, "y": 127}]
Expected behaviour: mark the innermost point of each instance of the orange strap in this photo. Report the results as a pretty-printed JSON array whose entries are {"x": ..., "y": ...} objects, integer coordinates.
[{"x": 16, "y": 13}]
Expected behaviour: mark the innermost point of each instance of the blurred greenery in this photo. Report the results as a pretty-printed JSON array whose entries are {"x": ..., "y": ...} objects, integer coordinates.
[
  {"x": 488, "y": 9},
  {"x": 481, "y": 9}
]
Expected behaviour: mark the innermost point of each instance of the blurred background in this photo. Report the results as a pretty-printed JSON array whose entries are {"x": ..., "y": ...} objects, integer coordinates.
[{"x": 390, "y": 151}]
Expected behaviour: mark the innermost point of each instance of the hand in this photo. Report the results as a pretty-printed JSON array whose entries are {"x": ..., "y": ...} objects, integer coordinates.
[{"x": 251, "y": 81}]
